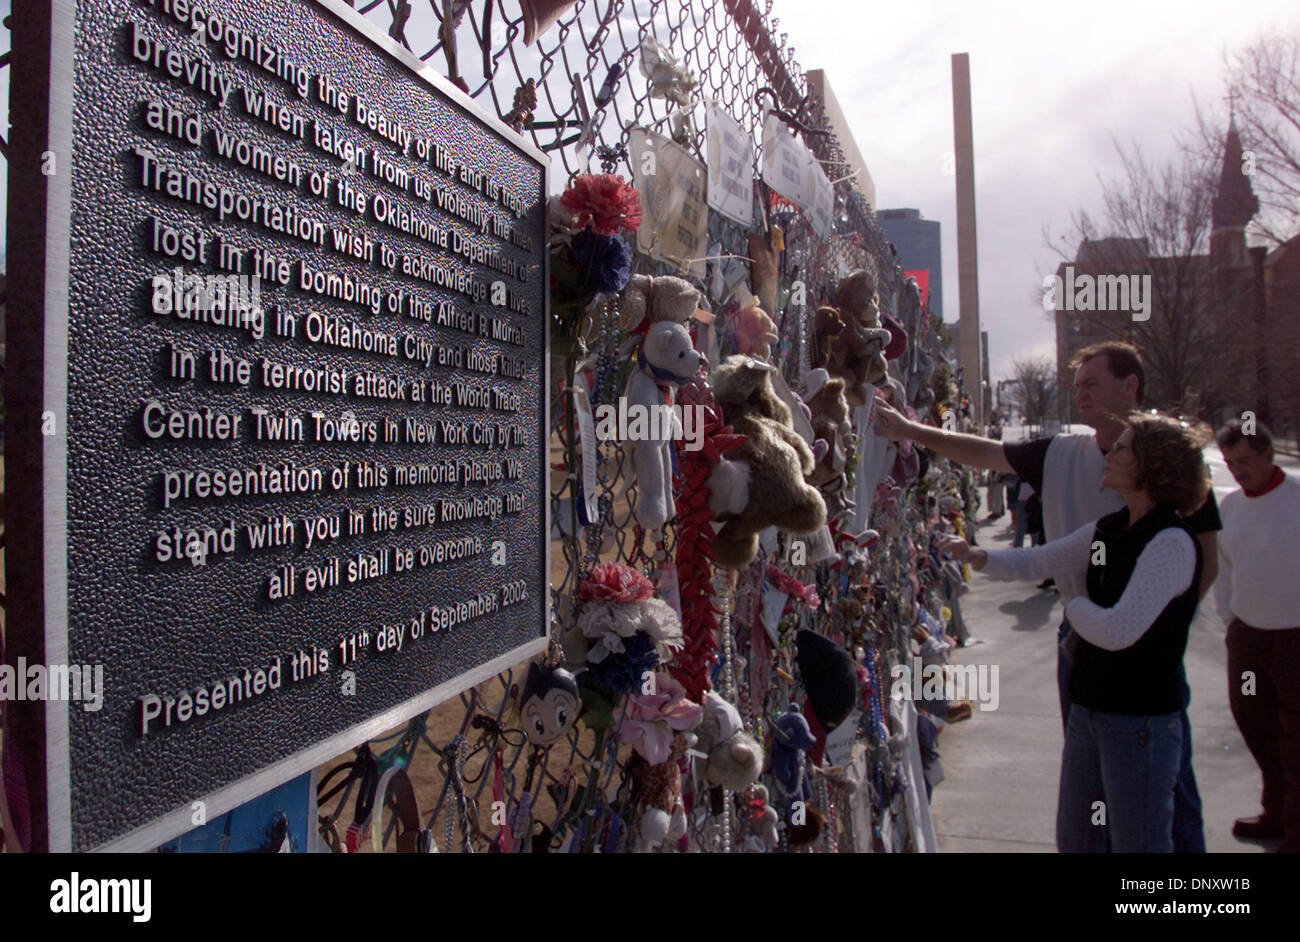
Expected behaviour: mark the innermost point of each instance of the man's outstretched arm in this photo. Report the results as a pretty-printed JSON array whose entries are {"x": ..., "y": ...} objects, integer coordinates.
[{"x": 964, "y": 449}]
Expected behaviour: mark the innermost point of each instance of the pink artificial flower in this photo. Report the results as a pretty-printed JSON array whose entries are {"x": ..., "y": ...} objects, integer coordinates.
[{"x": 654, "y": 719}]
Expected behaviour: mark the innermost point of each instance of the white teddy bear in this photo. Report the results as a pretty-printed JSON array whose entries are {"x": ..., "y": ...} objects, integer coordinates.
[{"x": 666, "y": 359}]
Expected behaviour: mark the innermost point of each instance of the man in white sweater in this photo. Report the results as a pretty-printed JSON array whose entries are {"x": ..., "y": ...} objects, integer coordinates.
[
  {"x": 1066, "y": 470},
  {"x": 1258, "y": 597}
]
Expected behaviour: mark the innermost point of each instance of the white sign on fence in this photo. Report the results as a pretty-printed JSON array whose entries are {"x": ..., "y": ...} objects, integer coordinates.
[{"x": 731, "y": 167}]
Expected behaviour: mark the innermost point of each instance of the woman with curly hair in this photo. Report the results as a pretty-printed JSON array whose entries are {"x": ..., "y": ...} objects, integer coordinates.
[{"x": 1143, "y": 565}]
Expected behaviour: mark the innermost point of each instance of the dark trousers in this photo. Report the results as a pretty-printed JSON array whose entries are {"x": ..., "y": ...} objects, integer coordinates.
[
  {"x": 1266, "y": 705},
  {"x": 1189, "y": 822}
]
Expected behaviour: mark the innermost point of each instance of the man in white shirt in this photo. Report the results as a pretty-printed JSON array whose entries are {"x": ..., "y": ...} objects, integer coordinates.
[
  {"x": 1066, "y": 470},
  {"x": 1258, "y": 597}
]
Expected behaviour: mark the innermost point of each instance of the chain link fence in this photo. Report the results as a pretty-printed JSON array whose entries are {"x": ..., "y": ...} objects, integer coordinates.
[
  {"x": 590, "y": 96},
  {"x": 590, "y": 91}
]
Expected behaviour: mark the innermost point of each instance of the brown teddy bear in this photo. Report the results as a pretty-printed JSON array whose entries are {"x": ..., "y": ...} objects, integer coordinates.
[
  {"x": 826, "y": 400},
  {"x": 762, "y": 483},
  {"x": 850, "y": 337},
  {"x": 828, "y": 324}
]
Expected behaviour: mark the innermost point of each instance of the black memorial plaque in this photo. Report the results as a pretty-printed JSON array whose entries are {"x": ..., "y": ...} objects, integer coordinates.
[{"x": 337, "y": 467}]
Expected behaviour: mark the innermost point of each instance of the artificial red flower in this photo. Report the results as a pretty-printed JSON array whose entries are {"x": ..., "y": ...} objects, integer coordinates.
[
  {"x": 605, "y": 201},
  {"x": 615, "y": 582}
]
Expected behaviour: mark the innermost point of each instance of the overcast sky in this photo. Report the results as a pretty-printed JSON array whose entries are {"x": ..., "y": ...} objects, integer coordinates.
[{"x": 1050, "y": 84}]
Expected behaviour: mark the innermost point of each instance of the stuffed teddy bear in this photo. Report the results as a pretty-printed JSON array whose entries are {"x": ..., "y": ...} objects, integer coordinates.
[
  {"x": 850, "y": 337},
  {"x": 791, "y": 738},
  {"x": 761, "y": 484},
  {"x": 829, "y": 407},
  {"x": 761, "y": 822},
  {"x": 735, "y": 759},
  {"x": 661, "y": 298},
  {"x": 666, "y": 360},
  {"x": 658, "y": 308},
  {"x": 828, "y": 325}
]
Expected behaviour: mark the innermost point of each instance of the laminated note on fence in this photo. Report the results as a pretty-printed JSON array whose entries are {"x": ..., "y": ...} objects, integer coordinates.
[
  {"x": 731, "y": 167},
  {"x": 822, "y": 209},
  {"x": 839, "y": 741},
  {"x": 675, "y": 219},
  {"x": 785, "y": 163}
]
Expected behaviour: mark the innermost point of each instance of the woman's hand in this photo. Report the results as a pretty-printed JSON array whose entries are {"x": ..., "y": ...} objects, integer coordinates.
[
  {"x": 890, "y": 423},
  {"x": 955, "y": 547}
]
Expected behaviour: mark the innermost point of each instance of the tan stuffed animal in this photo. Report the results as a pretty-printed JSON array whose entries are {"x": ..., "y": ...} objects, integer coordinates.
[
  {"x": 761, "y": 483},
  {"x": 763, "y": 819},
  {"x": 662, "y": 298},
  {"x": 851, "y": 338},
  {"x": 825, "y": 397},
  {"x": 755, "y": 332},
  {"x": 735, "y": 759}
]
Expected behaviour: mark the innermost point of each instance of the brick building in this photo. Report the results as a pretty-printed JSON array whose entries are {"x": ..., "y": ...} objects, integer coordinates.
[{"x": 1203, "y": 341}]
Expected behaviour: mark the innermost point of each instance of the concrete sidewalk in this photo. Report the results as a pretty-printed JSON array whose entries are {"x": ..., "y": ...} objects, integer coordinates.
[{"x": 1002, "y": 766}]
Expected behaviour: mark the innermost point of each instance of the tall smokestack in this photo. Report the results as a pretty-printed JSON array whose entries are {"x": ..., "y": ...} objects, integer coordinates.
[{"x": 968, "y": 344}]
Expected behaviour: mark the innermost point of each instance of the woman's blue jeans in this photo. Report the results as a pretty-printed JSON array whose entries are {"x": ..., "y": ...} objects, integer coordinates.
[
  {"x": 1022, "y": 524},
  {"x": 1117, "y": 783}
]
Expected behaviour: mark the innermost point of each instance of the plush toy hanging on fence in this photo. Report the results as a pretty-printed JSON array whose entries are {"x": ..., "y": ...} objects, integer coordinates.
[
  {"x": 672, "y": 81},
  {"x": 658, "y": 726},
  {"x": 666, "y": 359},
  {"x": 791, "y": 738},
  {"x": 830, "y": 421},
  {"x": 733, "y": 758},
  {"x": 850, "y": 337},
  {"x": 754, "y": 332},
  {"x": 762, "y": 483}
]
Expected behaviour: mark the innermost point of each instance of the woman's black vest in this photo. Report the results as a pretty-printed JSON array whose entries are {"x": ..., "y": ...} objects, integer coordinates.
[{"x": 1142, "y": 679}]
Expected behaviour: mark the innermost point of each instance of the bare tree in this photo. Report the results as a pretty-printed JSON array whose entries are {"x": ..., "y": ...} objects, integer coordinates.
[
  {"x": 1263, "y": 97},
  {"x": 1155, "y": 223},
  {"x": 1032, "y": 389}
]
